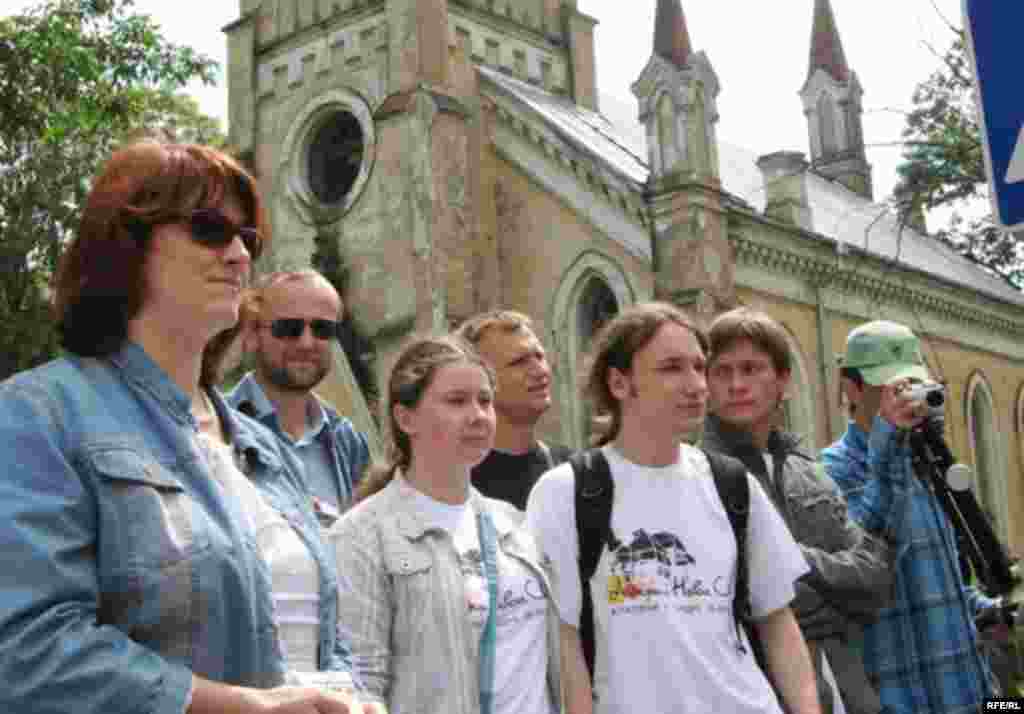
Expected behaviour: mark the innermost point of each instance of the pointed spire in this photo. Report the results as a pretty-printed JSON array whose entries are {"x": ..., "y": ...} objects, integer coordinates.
[
  {"x": 826, "y": 47},
  {"x": 671, "y": 38}
]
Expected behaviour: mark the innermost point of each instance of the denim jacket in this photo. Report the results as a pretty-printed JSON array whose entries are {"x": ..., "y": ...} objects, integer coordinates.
[
  {"x": 413, "y": 647},
  {"x": 349, "y": 449},
  {"x": 126, "y": 570}
]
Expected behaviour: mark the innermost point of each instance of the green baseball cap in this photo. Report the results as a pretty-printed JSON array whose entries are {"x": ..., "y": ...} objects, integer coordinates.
[{"x": 884, "y": 351}]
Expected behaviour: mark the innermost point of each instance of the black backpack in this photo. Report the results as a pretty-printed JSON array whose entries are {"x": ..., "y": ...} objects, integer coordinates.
[{"x": 594, "y": 495}]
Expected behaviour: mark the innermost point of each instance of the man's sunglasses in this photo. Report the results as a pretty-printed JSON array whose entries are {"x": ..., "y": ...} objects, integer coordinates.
[
  {"x": 291, "y": 328},
  {"x": 213, "y": 229}
]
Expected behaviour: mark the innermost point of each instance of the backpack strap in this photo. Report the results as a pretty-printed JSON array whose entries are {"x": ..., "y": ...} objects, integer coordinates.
[
  {"x": 594, "y": 492},
  {"x": 730, "y": 477},
  {"x": 545, "y": 451}
]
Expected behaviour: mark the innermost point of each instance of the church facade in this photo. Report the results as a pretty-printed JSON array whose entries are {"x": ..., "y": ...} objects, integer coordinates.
[{"x": 442, "y": 157}]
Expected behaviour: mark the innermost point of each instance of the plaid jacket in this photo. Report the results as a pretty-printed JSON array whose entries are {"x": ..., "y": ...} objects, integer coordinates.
[{"x": 922, "y": 652}]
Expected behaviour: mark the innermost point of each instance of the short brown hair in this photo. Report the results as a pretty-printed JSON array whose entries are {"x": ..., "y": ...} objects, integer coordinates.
[
  {"x": 99, "y": 285},
  {"x": 473, "y": 329},
  {"x": 744, "y": 323},
  {"x": 615, "y": 346}
]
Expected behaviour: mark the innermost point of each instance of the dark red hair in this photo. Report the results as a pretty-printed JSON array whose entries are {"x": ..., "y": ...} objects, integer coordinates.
[{"x": 99, "y": 285}]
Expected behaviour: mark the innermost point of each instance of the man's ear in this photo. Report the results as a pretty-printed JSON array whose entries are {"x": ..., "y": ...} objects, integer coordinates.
[
  {"x": 618, "y": 383},
  {"x": 785, "y": 382},
  {"x": 404, "y": 418},
  {"x": 854, "y": 392}
]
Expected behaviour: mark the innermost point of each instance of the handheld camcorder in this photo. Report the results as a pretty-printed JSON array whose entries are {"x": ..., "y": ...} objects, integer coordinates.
[{"x": 933, "y": 395}]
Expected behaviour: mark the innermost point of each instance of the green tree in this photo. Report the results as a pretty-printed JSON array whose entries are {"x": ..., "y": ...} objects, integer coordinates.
[
  {"x": 944, "y": 166},
  {"x": 77, "y": 78}
]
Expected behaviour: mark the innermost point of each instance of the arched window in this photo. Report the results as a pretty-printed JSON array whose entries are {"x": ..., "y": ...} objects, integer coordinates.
[
  {"x": 984, "y": 432},
  {"x": 329, "y": 149},
  {"x": 597, "y": 305},
  {"x": 1020, "y": 414},
  {"x": 1018, "y": 437},
  {"x": 854, "y": 128},
  {"x": 827, "y": 125},
  {"x": 335, "y": 156},
  {"x": 700, "y": 154},
  {"x": 799, "y": 415},
  {"x": 667, "y": 149},
  {"x": 592, "y": 290}
]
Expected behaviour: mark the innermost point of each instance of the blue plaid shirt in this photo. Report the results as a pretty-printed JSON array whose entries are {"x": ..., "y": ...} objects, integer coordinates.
[{"x": 922, "y": 652}]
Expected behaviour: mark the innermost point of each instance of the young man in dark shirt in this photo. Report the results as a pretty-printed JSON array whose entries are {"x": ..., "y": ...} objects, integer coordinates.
[{"x": 506, "y": 340}]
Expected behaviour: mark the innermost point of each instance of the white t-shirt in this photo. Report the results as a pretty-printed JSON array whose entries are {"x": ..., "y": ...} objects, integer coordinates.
[
  {"x": 521, "y": 655},
  {"x": 663, "y": 596},
  {"x": 293, "y": 572}
]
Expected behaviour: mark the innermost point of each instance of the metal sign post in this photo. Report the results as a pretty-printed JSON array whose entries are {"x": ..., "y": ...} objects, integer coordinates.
[{"x": 993, "y": 30}]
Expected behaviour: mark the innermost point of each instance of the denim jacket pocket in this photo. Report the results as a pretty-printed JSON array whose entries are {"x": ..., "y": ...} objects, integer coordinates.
[{"x": 152, "y": 521}]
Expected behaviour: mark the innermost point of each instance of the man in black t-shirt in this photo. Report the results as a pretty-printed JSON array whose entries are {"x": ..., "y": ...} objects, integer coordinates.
[{"x": 506, "y": 340}]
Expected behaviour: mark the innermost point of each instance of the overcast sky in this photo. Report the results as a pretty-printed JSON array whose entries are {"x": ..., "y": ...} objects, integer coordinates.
[{"x": 758, "y": 49}]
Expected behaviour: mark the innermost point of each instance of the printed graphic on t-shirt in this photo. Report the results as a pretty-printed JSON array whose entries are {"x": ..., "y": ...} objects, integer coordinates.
[
  {"x": 655, "y": 569},
  {"x": 471, "y": 563},
  {"x": 521, "y": 597}
]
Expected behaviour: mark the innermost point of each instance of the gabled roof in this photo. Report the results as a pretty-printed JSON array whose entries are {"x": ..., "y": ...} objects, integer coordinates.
[
  {"x": 585, "y": 129},
  {"x": 826, "y": 46},
  {"x": 671, "y": 38},
  {"x": 836, "y": 212},
  {"x": 846, "y": 217}
]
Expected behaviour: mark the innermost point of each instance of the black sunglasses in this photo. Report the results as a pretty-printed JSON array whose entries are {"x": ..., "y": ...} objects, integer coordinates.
[
  {"x": 291, "y": 328},
  {"x": 213, "y": 229}
]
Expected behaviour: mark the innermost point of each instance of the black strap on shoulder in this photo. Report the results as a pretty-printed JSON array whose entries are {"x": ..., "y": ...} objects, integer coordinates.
[
  {"x": 247, "y": 408},
  {"x": 594, "y": 491},
  {"x": 730, "y": 477}
]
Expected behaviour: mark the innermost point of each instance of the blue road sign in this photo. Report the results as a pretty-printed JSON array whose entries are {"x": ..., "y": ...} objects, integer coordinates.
[{"x": 993, "y": 30}]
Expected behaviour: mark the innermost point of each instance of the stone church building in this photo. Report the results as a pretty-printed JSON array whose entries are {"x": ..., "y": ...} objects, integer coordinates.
[{"x": 442, "y": 157}]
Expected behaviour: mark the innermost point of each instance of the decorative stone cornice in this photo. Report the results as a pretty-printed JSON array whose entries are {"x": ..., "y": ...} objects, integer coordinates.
[
  {"x": 286, "y": 19},
  {"x": 355, "y": 45},
  {"x": 501, "y": 13},
  {"x": 879, "y": 281},
  {"x": 530, "y": 57}
]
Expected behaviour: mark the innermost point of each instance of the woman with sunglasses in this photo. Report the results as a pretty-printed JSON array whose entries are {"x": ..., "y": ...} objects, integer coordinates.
[
  {"x": 134, "y": 580},
  {"x": 448, "y": 607}
]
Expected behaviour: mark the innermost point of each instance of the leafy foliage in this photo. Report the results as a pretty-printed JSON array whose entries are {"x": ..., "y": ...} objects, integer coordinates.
[
  {"x": 945, "y": 166},
  {"x": 77, "y": 78}
]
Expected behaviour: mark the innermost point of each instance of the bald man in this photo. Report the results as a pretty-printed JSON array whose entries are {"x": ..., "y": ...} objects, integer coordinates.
[{"x": 290, "y": 320}]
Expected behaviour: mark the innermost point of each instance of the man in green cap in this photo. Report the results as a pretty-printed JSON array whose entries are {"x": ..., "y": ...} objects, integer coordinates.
[{"x": 922, "y": 652}]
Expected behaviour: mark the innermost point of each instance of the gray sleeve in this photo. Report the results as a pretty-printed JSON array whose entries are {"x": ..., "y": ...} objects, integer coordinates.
[
  {"x": 856, "y": 576},
  {"x": 364, "y": 606}
]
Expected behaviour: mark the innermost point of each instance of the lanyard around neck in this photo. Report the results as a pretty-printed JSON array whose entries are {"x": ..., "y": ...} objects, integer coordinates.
[{"x": 489, "y": 635}]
